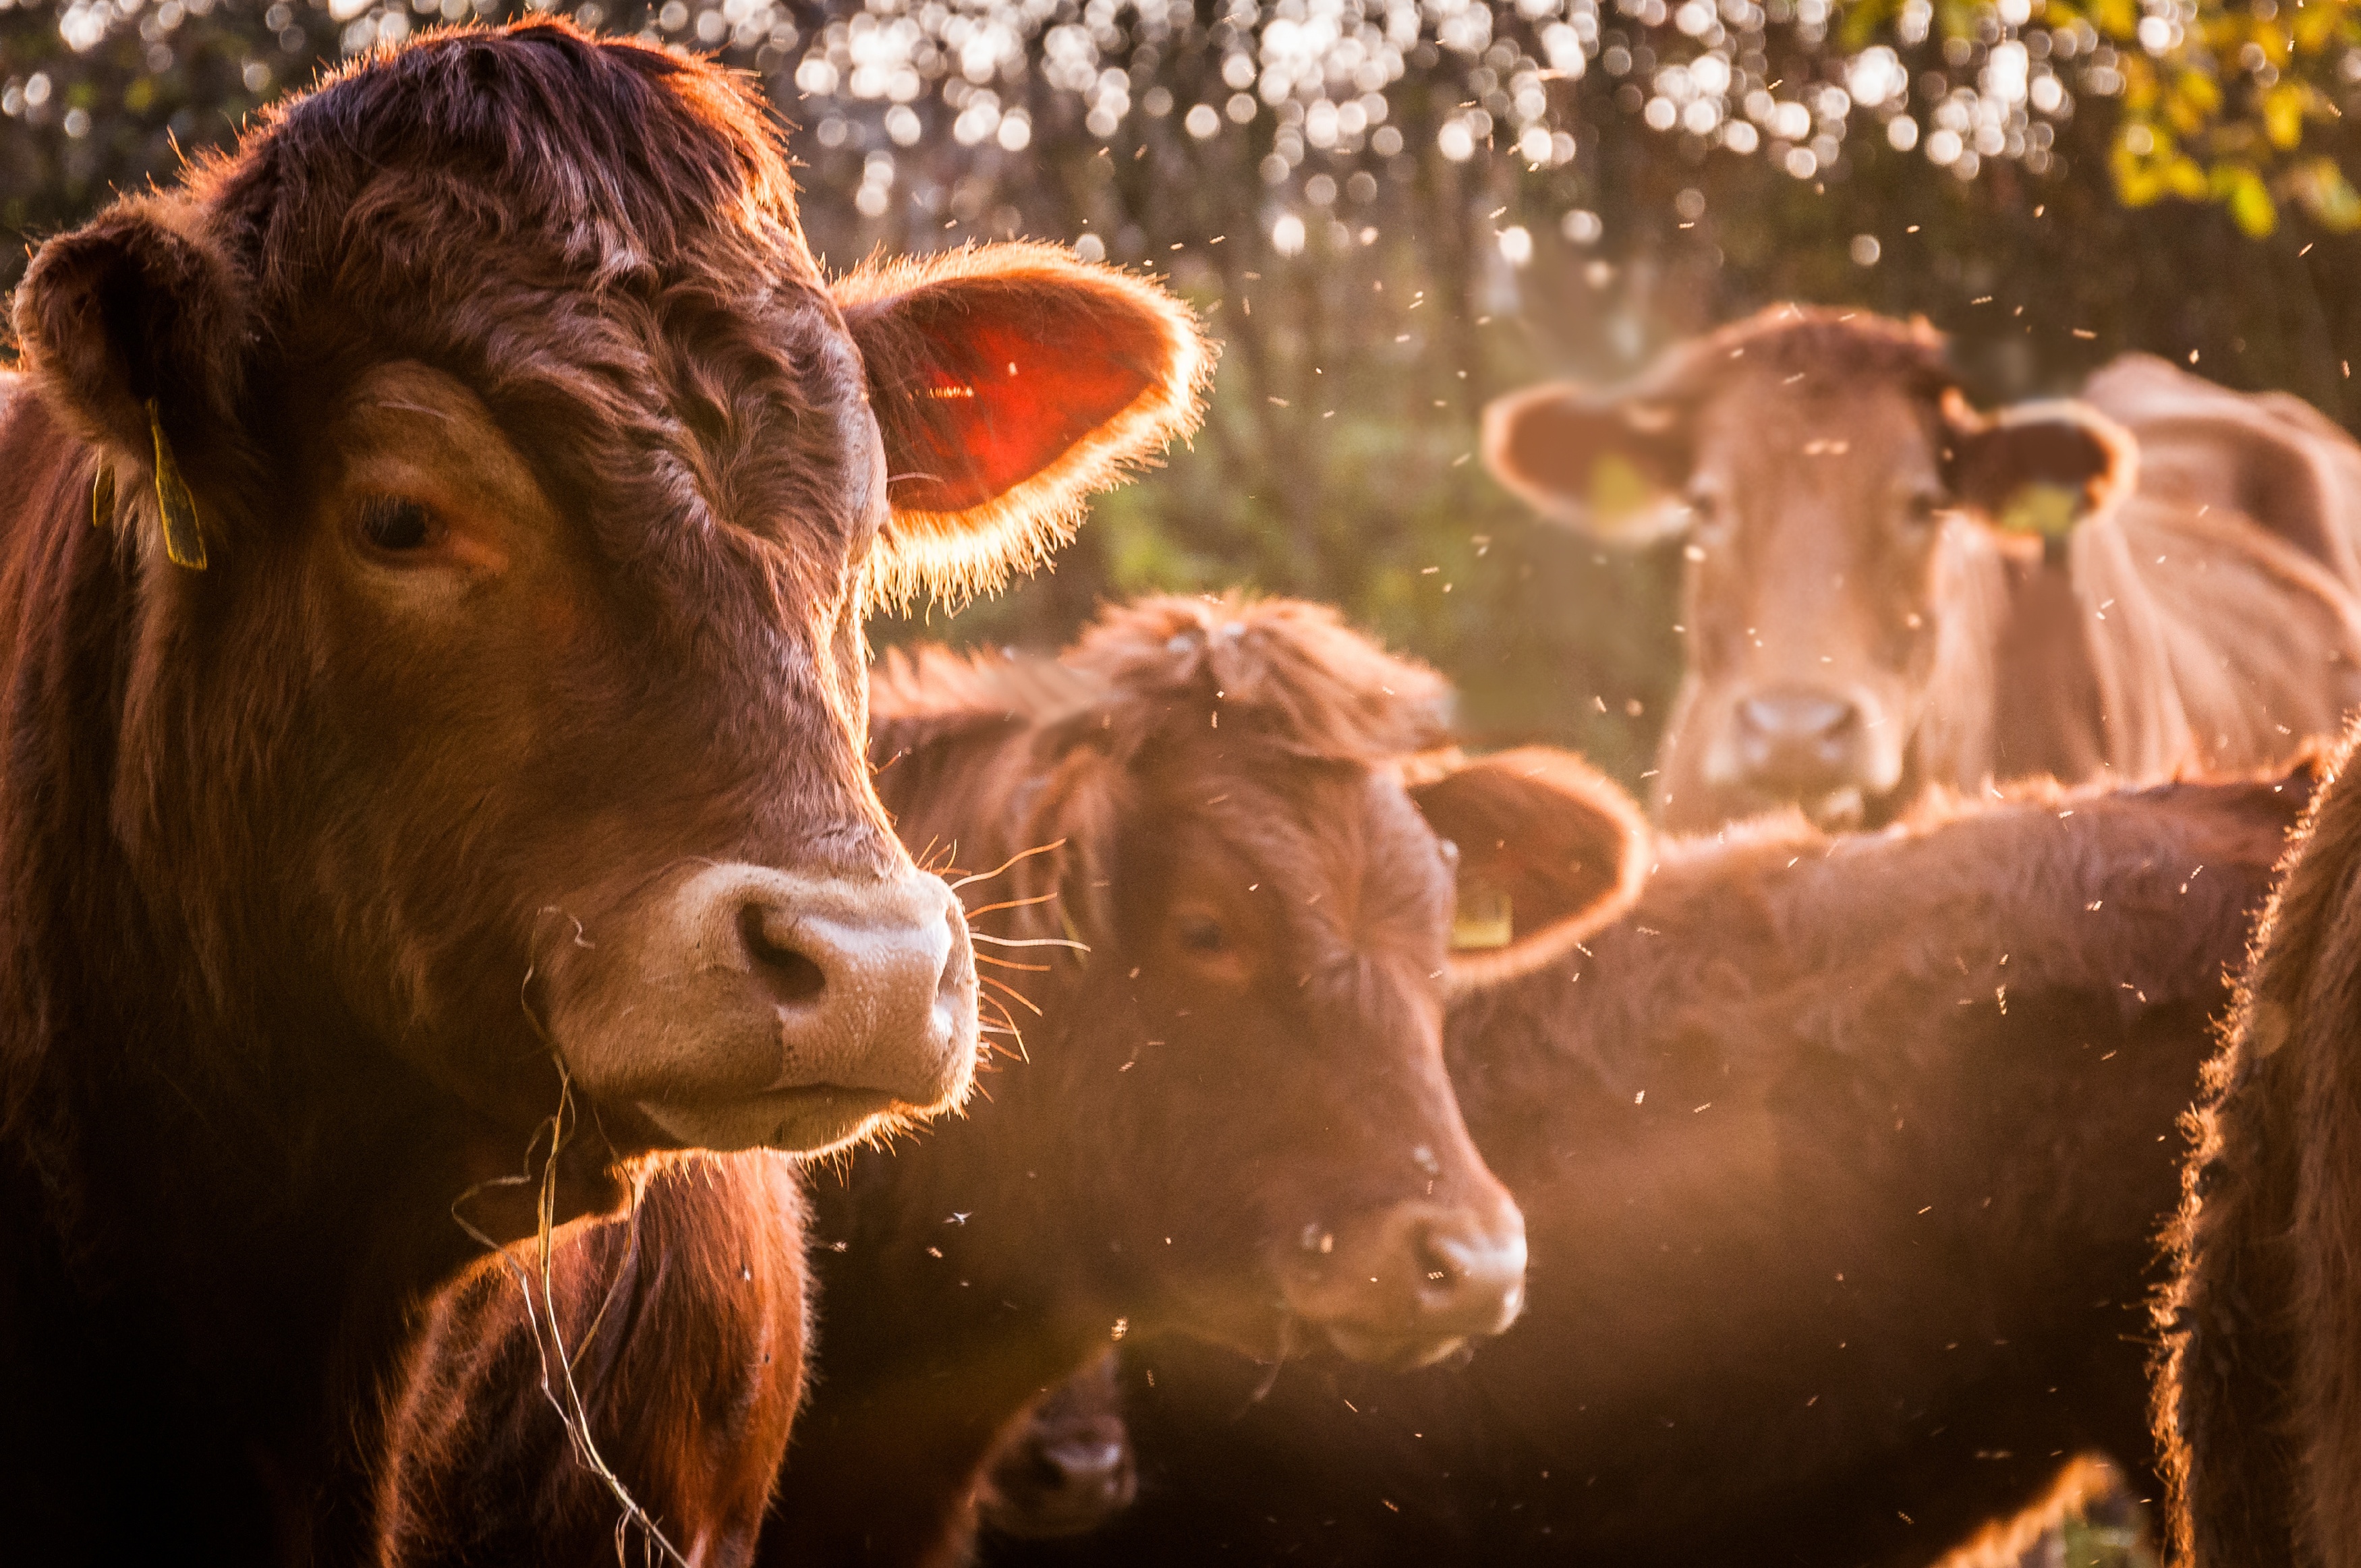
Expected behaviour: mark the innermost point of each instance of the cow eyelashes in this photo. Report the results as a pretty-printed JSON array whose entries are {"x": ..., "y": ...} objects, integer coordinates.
[{"x": 395, "y": 525}]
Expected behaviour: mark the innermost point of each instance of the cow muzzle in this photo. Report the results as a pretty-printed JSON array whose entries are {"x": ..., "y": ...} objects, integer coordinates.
[
  {"x": 741, "y": 1006},
  {"x": 1822, "y": 747},
  {"x": 1407, "y": 1286}
]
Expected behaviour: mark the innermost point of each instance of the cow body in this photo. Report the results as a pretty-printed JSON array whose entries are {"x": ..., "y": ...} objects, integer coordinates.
[
  {"x": 1888, "y": 592},
  {"x": 2256, "y": 1405},
  {"x": 434, "y": 696},
  {"x": 1843, "y": 1206},
  {"x": 1229, "y": 1116}
]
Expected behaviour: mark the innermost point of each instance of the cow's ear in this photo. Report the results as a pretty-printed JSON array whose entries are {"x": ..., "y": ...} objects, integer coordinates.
[
  {"x": 2039, "y": 467},
  {"x": 1009, "y": 382},
  {"x": 135, "y": 307},
  {"x": 1549, "y": 852},
  {"x": 1615, "y": 468},
  {"x": 135, "y": 327}
]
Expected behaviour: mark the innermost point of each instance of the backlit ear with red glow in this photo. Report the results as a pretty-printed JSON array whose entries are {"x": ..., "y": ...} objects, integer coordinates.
[{"x": 1009, "y": 382}]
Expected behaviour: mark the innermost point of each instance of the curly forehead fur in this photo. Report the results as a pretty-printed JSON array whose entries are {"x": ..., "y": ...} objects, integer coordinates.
[
  {"x": 1834, "y": 348},
  {"x": 1290, "y": 674},
  {"x": 618, "y": 157},
  {"x": 1281, "y": 673}
]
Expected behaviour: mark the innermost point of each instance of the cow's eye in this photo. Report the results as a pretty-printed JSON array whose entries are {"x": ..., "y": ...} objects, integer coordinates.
[
  {"x": 395, "y": 525},
  {"x": 1202, "y": 933},
  {"x": 1923, "y": 507}
]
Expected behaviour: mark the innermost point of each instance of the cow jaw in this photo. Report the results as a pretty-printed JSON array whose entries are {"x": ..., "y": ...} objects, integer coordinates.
[{"x": 739, "y": 1006}]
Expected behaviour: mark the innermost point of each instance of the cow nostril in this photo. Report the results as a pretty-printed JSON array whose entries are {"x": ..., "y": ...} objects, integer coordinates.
[
  {"x": 1439, "y": 1269},
  {"x": 1798, "y": 716},
  {"x": 791, "y": 976}
]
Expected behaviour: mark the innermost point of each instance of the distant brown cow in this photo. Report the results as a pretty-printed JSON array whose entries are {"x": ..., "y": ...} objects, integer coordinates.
[
  {"x": 1231, "y": 1117},
  {"x": 2259, "y": 1406},
  {"x": 1066, "y": 1467},
  {"x": 451, "y": 728},
  {"x": 1860, "y": 631},
  {"x": 1843, "y": 1161}
]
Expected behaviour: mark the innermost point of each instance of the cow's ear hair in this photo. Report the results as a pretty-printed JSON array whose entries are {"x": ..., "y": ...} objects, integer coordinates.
[
  {"x": 2037, "y": 468},
  {"x": 1549, "y": 852},
  {"x": 1009, "y": 382},
  {"x": 136, "y": 309},
  {"x": 1616, "y": 467}
]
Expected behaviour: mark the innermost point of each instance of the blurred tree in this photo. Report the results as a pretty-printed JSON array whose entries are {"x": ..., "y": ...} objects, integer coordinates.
[{"x": 1391, "y": 210}]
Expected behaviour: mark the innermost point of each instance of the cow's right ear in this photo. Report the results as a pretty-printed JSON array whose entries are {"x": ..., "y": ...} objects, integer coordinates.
[
  {"x": 1615, "y": 468},
  {"x": 2038, "y": 467},
  {"x": 1549, "y": 851},
  {"x": 1009, "y": 382},
  {"x": 135, "y": 309}
]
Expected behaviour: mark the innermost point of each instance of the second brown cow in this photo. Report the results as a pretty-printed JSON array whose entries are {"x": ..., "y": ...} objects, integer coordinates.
[
  {"x": 1871, "y": 608},
  {"x": 1230, "y": 1116}
]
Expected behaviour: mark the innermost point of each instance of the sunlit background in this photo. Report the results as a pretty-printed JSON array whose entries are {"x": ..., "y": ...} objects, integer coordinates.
[{"x": 1392, "y": 211}]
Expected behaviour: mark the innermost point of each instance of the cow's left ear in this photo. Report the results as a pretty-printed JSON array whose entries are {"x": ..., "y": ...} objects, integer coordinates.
[
  {"x": 1549, "y": 852},
  {"x": 2039, "y": 467},
  {"x": 1009, "y": 382}
]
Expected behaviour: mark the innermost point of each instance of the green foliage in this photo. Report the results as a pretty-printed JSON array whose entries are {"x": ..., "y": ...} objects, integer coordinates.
[{"x": 1391, "y": 212}]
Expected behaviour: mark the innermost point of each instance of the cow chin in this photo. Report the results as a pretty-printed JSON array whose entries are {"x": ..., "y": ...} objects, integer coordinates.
[{"x": 814, "y": 1120}]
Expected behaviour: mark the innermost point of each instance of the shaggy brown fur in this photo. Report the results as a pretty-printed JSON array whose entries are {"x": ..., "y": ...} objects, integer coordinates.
[
  {"x": 290, "y": 847},
  {"x": 1840, "y": 499},
  {"x": 671, "y": 1336},
  {"x": 2255, "y": 1403},
  {"x": 1843, "y": 1207},
  {"x": 1218, "y": 1102}
]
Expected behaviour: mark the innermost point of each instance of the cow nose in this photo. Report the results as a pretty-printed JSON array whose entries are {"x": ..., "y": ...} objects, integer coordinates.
[
  {"x": 868, "y": 990},
  {"x": 1799, "y": 737},
  {"x": 1089, "y": 1471},
  {"x": 743, "y": 1006},
  {"x": 1409, "y": 1285},
  {"x": 1471, "y": 1276}
]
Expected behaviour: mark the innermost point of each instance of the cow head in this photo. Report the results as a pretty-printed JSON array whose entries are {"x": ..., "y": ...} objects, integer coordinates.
[
  {"x": 1263, "y": 856},
  {"x": 498, "y": 485},
  {"x": 1823, "y": 468}
]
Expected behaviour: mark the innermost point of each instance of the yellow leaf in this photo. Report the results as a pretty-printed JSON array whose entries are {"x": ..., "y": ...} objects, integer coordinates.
[
  {"x": 2248, "y": 199},
  {"x": 2186, "y": 178},
  {"x": 2283, "y": 114},
  {"x": 2320, "y": 186}
]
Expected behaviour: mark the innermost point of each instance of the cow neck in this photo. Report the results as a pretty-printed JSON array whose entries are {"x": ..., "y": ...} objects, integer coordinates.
[
  {"x": 244, "y": 1187},
  {"x": 1874, "y": 1095}
]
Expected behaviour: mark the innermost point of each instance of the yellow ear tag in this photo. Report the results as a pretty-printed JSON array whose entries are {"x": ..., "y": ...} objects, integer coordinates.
[
  {"x": 1481, "y": 920},
  {"x": 2043, "y": 510},
  {"x": 184, "y": 542},
  {"x": 102, "y": 496}
]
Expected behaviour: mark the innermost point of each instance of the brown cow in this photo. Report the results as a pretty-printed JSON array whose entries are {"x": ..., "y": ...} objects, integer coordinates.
[
  {"x": 1231, "y": 1117},
  {"x": 452, "y": 727},
  {"x": 1843, "y": 1161},
  {"x": 1865, "y": 616},
  {"x": 2257, "y": 1405}
]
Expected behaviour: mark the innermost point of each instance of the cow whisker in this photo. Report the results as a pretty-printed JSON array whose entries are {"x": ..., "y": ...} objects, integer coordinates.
[
  {"x": 1011, "y": 963},
  {"x": 987, "y": 876},
  {"x": 1012, "y": 990},
  {"x": 1011, "y": 904},
  {"x": 1029, "y": 941}
]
